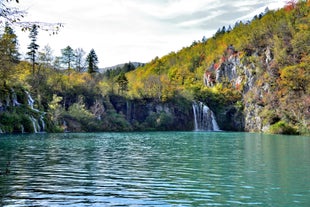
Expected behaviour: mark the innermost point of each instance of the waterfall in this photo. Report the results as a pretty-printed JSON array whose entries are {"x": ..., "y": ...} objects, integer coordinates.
[
  {"x": 195, "y": 116},
  {"x": 35, "y": 124},
  {"x": 22, "y": 129},
  {"x": 38, "y": 124},
  {"x": 204, "y": 118},
  {"x": 8, "y": 100},
  {"x": 30, "y": 100},
  {"x": 42, "y": 121},
  {"x": 1, "y": 132},
  {"x": 65, "y": 126},
  {"x": 128, "y": 110}
]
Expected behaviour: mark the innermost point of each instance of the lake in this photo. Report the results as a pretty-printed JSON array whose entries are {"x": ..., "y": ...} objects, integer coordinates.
[{"x": 154, "y": 169}]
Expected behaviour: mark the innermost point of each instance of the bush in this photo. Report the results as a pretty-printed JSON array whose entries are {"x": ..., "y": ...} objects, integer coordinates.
[
  {"x": 282, "y": 127},
  {"x": 159, "y": 121}
]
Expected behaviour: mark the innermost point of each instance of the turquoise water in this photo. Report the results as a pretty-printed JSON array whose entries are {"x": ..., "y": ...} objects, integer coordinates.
[{"x": 154, "y": 169}]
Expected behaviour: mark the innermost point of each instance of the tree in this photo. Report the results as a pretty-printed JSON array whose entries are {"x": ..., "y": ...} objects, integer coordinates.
[
  {"x": 13, "y": 16},
  {"x": 57, "y": 63},
  {"x": 122, "y": 82},
  {"x": 67, "y": 56},
  {"x": 9, "y": 45},
  {"x": 9, "y": 14},
  {"x": 46, "y": 56},
  {"x": 9, "y": 54},
  {"x": 79, "y": 60},
  {"x": 92, "y": 61},
  {"x": 33, "y": 47}
]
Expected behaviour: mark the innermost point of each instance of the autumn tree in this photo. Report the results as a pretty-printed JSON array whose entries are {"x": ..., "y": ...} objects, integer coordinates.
[
  {"x": 9, "y": 54},
  {"x": 92, "y": 62},
  {"x": 9, "y": 45}
]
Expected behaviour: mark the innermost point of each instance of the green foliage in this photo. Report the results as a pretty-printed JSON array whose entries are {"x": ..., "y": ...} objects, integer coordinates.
[
  {"x": 115, "y": 122},
  {"x": 9, "y": 54},
  {"x": 296, "y": 77},
  {"x": 13, "y": 120},
  {"x": 67, "y": 57},
  {"x": 122, "y": 83},
  {"x": 92, "y": 62},
  {"x": 55, "y": 110},
  {"x": 159, "y": 121},
  {"x": 79, "y": 111},
  {"x": 282, "y": 127},
  {"x": 33, "y": 46}
]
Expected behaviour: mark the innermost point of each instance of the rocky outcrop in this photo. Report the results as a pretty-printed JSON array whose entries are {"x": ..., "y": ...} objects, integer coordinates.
[{"x": 243, "y": 74}]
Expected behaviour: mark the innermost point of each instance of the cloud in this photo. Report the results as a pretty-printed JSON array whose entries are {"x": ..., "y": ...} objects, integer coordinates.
[{"x": 136, "y": 30}]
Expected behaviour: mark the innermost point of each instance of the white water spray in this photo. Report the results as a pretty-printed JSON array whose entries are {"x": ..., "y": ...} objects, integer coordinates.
[{"x": 204, "y": 118}]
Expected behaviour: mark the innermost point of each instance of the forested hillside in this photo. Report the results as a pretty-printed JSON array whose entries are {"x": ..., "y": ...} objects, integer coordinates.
[{"x": 255, "y": 76}]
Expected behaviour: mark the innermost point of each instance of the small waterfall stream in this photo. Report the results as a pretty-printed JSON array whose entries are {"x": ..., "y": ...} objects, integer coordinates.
[
  {"x": 42, "y": 122},
  {"x": 38, "y": 124},
  {"x": 35, "y": 124},
  {"x": 30, "y": 100},
  {"x": 36, "y": 118},
  {"x": 204, "y": 118}
]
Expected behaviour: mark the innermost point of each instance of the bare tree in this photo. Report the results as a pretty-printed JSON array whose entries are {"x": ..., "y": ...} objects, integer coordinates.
[{"x": 10, "y": 14}]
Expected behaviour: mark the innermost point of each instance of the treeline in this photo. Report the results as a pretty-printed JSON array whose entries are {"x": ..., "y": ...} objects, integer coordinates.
[{"x": 70, "y": 88}]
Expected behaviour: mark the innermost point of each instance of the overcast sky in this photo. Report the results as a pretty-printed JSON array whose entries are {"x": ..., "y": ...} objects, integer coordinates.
[{"x": 135, "y": 30}]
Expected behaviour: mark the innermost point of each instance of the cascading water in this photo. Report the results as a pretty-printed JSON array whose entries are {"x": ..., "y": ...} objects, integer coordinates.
[
  {"x": 42, "y": 121},
  {"x": 204, "y": 118},
  {"x": 65, "y": 126},
  {"x": 1, "y": 132},
  {"x": 30, "y": 100},
  {"x": 38, "y": 124},
  {"x": 35, "y": 124}
]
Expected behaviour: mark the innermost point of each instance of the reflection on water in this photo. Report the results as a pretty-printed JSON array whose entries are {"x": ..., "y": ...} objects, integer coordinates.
[{"x": 155, "y": 169}]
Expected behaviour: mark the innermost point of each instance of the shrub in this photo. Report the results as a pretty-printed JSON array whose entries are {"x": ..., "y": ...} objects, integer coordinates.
[{"x": 282, "y": 127}]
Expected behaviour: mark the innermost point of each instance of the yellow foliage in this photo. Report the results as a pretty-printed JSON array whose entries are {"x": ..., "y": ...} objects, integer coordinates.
[{"x": 22, "y": 71}]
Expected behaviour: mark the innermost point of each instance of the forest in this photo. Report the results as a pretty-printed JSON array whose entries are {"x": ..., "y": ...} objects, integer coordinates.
[{"x": 255, "y": 76}]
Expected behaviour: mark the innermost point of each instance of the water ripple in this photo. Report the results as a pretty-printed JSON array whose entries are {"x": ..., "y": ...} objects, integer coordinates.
[{"x": 155, "y": 169}]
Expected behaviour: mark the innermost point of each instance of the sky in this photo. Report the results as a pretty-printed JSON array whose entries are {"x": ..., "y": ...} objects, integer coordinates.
[{"x": 134, "y": 30}]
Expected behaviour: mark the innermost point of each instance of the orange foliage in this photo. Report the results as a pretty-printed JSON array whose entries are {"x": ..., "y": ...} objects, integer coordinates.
[{"x": 290, "y": 5}]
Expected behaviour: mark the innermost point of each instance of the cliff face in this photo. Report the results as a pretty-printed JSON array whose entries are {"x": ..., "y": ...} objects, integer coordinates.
[
  {"x": 255, "y": 76},
  {"x": 151, "y": 114},
  {"x": 243, "y": 76}
]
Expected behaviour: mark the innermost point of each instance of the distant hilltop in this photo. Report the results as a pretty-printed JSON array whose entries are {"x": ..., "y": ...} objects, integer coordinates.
[{"x": 135, "y": 64}]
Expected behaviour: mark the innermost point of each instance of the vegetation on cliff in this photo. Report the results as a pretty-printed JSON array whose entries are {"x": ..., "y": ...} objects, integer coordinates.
[{"x": 254, "y": 76}]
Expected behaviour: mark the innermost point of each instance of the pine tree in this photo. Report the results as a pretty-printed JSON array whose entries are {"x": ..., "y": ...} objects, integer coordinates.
[
  {"x": 92, "y": 61},
  {"x": 33, "y": 47},
  {"x": 68, "y": 56}
]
